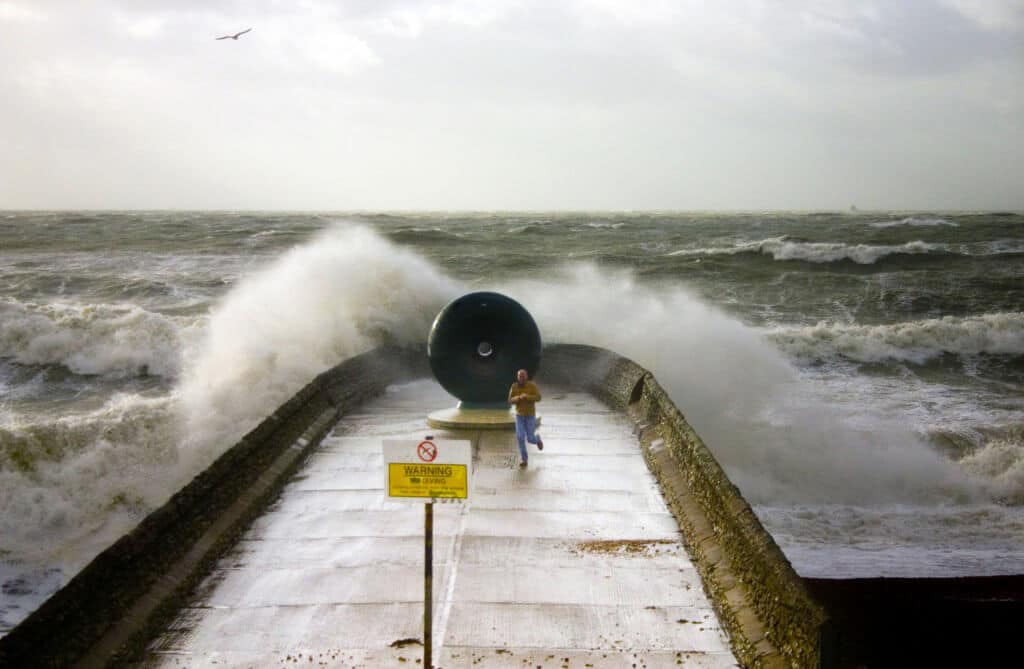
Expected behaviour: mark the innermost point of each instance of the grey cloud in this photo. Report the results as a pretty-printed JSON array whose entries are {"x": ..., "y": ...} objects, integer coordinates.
[{"x": 513, "y": 104}]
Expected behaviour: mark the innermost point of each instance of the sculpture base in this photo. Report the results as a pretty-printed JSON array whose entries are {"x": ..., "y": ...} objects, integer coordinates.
[{"x": 461, "y": 418}]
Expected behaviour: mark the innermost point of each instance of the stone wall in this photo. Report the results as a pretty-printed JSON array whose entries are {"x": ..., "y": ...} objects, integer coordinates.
[
  {"x": 109, "y": 609},
  {"x": 763, "y": 604}
]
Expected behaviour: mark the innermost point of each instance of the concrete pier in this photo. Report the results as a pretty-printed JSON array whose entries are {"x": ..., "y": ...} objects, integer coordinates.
[{"x": 575, "y": 561}]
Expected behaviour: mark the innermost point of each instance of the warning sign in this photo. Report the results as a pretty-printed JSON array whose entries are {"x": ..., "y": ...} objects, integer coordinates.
[
  {"x": 435, "y": 481},
  {"x": 424, "y": 470}
]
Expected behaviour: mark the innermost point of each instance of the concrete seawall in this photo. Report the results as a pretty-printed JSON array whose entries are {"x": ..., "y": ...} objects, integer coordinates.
[{"x": 105, "y": 614}]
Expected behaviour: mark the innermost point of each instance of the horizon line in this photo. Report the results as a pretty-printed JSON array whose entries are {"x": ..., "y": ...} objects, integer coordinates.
[{"x": 401, "y": 211}]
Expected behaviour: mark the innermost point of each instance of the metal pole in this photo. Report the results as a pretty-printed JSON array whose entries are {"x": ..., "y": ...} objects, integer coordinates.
[{"x": 428, "y": 583}]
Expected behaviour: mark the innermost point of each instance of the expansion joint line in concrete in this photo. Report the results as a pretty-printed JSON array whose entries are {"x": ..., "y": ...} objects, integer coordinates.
[{"x": 455, "y": 549}]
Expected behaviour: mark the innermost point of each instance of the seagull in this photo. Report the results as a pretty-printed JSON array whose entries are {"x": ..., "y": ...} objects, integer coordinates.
[{"x": 235, "y": 36}]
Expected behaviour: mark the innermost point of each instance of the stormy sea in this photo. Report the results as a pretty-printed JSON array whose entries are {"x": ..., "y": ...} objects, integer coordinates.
[{"x": 860, "y": 376}]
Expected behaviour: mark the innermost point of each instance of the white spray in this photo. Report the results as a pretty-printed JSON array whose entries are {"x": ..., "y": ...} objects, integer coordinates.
[
  {"x": 778, "y": 441},
  {"x": 343, "y": 293}
]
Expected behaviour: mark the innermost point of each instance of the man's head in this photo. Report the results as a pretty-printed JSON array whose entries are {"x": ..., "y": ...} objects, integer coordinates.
[{"x": 522, "y": 376}]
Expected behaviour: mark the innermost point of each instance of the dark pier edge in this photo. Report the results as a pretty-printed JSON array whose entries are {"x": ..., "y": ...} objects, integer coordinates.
[
  {"x": 108, "y": 612},
  {"x": 923, "y": 622}
]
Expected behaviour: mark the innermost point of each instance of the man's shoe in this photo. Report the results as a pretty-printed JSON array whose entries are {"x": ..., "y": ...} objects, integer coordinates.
[
  {"x": 540, "y": 444},
  {"x": 522, "y": 465}
]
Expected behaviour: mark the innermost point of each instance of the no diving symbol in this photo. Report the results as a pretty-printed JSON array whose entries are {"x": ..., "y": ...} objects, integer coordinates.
[{"x": 427, "y": 451}]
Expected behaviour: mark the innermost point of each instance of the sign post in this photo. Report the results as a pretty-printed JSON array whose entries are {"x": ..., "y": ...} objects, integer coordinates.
[
  {"x": 423, "y": 471},
  {"x": 428, "y": 584}
]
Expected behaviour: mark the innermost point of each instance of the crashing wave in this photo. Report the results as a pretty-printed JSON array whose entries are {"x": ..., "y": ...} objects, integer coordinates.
[
  {"x": 914, "y": 341},
  {"x": 999, "y": 462},
  {"x": 915, "y": 222},
  {"x": 782, "y": 248},
  {"x": 90, "y": 339},
  {"x": 69, "y": 476}
]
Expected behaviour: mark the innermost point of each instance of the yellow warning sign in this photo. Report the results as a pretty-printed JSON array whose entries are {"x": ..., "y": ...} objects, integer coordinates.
[{"x": 420, "y": 479}]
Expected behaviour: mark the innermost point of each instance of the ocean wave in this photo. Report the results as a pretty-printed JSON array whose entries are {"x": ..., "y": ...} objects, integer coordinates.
[
  {"x": 65, "y": 478},
  {"x": 124, "y": 419},
  {"x": 898, "y": 541},
  {"x": 996, "y": 247},
  {"x": 782, "y": 248},
  {"x": 261, "y": 237},
  {"x": 914, "y": 341},
  {"x": 340, "y": 294},
  {"x": 72, "y": 483},
  {"x": 422, "y": 235},
  {"x": 735, "y": 249},
  {"x": 993, "y": 455},
  {"x": 600, "y": 225},
  {"x": 527, "y": 229},
  {"x": 916, "y": 222},
  {"x": 863, "y": 254},
  {"x": 999, "y": 463},
  {"x": 90, "y": 339}
]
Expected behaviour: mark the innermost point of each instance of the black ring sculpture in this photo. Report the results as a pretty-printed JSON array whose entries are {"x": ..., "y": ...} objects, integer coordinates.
[{"x": 477, "y": 344}]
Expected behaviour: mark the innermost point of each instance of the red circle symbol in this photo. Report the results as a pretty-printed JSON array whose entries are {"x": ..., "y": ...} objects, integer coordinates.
[{"x": 427, "y": 451}]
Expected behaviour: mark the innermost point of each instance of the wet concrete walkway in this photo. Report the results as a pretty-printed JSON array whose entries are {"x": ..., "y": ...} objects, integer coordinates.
[{"x": 573, "y": 562}]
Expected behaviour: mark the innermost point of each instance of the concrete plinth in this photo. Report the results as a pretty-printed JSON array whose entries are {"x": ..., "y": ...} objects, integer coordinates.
[{"x": 460, "y": 418}]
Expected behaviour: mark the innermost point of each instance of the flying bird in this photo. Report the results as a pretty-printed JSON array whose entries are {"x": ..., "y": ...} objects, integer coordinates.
[{"x": 236, "y": 35}]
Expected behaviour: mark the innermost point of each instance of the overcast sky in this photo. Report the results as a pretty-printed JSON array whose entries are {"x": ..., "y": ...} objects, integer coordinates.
[{"x": 512, "y": 104}]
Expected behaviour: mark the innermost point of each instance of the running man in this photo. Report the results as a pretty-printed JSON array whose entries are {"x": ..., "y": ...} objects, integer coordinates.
[{"x": 525, "y": 394}]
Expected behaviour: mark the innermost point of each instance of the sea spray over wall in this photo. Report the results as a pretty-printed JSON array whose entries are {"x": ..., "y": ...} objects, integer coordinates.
[
  {"x": 779, "y": 442},
  {"x": 343, "y": 293},
  {"x": 71, "y": 485}
]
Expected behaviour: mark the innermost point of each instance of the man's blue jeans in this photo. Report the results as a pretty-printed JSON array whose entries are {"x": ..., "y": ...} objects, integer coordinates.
[{"x": 526, "y": 426}]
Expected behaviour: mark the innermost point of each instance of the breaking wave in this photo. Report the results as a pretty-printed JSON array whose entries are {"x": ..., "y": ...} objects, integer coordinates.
[
  {"x": 913, "y": 341},
  {"x": 90, "y": 339},
  {"x": 1000, "y": 462},
  {"x": 341, "y": 294},
  {"x": 83, "y": 477},
  {"x": 781, "y": 248},
  {"x": 70, "y": 484},
  {"x": 916, "y": 222},
  {"x": 604, "y": 225},
  {"x": 425, "y": 236},
  {"x": 992, "y": 454}
]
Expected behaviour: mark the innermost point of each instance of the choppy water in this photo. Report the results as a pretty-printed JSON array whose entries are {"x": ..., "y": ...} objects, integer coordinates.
[{"x": 860, "y": 376}]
